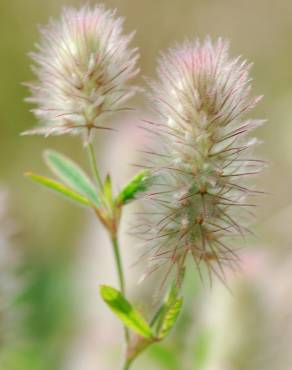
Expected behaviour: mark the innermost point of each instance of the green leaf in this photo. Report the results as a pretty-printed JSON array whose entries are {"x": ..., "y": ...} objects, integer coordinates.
[
  {"x": 170, "y": 318},
  {"x": 172, "y": 294},
  {"x": 58, "y": 187},
  {"x": 125, "y": 311},
  {"x": 169, "y": 300},
  {"x": 71, "y": 174},
  {"x": 138, "y": 184}
]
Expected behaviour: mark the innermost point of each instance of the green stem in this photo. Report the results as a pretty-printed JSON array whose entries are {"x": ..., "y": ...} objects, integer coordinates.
[
  {"x": 93, "y": 165},
  {"x": 127, "y": 365},
  {"x": 120, "y": 272},
  {"x": 132, "y": 353},
  {"x": 118, "y": 263},
  {"x": 116, "y": 249}
]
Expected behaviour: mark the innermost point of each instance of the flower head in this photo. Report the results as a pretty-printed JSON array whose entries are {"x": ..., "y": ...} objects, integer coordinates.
[
  {"x": 83, "y": 65},
  {"x": 200, "y": 199}
]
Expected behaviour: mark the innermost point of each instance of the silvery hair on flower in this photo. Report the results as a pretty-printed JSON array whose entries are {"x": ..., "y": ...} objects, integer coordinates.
[
  {"x": 83, "y": 66},
  {"x": 201, "y": 158}
]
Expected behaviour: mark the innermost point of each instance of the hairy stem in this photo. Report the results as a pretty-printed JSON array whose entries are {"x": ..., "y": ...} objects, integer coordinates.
[
  {"x": 127, "y": 365},
  {"x": 93, "y": 165},
  {"x": 135, "y": 348},
  {"x": 120, "y": 273},
  {"x": 118, "y": 261},
  {"x": 113, "y": 233}
]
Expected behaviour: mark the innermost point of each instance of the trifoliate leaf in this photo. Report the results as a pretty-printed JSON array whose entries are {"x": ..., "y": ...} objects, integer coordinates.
[
  {"x": 71, "y": 174},
  {"x": 125, "y": 311},
  {"x": 59, "y": 188}
]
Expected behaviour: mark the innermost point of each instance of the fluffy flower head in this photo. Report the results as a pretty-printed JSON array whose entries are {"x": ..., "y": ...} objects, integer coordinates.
[
  {"x": 200, "y": 200},
  {"x": 83, "y": 65}
]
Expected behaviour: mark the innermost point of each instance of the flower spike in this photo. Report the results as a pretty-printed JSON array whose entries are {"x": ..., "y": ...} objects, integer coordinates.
[
  {"x": 83, "y": 66},
  {"x": 203, "y": 162}
]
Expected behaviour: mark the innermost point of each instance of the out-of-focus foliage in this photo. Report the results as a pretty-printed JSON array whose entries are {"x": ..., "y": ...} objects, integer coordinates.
[
  {"x": 47, "y": 320},
  {"x": 10, "y": 283}
]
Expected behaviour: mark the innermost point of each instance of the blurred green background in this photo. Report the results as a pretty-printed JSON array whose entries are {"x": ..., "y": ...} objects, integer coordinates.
[{"x": 54, "y": 256}]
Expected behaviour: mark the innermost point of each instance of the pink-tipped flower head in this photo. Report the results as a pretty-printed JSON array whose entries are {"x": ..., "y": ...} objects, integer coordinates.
[
  {"x": 84, "y": 64},
  {"x": 200, "y": 102}
]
